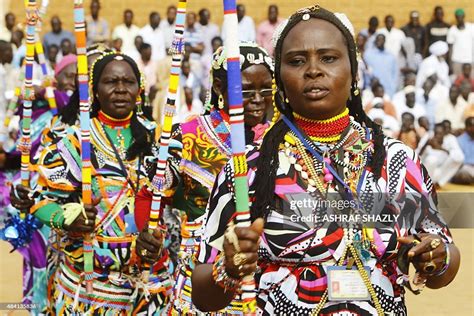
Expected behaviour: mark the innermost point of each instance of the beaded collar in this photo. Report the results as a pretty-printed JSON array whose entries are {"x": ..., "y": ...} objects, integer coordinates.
[
  {"x": 114, "y": 123},
  {"x": 324, "y": 131}
]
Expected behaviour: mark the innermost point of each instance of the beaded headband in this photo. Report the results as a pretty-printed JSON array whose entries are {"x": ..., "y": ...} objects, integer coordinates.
[{"x": 250, "y": 54}]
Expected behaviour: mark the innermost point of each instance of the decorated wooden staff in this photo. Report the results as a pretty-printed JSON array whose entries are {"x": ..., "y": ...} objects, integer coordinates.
[
  {"x": 80, "y": 32},
  {"x": 48, "y": 80},
  {"x": 24, "y": 145},
  {"x": 177, "y": 51},
  {"x": 237, "y": 132}
]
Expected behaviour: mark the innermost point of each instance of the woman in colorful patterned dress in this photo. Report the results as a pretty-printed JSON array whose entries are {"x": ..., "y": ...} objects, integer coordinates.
[
  {"x": 200, "y": 148},
  {"x": 326, "y": 154},
  {"x": 120, "y": 148}
]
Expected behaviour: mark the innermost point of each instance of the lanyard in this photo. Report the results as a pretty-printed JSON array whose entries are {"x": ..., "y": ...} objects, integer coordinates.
[{"x": 317, "y": 155}]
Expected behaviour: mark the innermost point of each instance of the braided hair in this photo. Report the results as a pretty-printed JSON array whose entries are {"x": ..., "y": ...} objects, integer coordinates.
[{"x": 268, "y": 163}]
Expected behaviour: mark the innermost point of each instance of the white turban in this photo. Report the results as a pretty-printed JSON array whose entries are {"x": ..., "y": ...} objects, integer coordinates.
[{"x": 439, "y": 48}]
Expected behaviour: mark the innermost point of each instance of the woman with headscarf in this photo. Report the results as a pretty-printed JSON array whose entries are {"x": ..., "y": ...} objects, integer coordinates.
[
  {"x": 200, "y": 148},
  {"x": 120, "y": 148},
  {"x": 319, "y": 172}
]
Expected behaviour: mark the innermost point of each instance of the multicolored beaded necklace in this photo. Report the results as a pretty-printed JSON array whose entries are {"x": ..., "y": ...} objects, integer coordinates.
[{"x": 118, "y": 125}]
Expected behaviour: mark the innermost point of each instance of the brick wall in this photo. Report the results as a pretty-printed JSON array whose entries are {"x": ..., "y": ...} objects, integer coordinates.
[{"x": 358, "y": 11}]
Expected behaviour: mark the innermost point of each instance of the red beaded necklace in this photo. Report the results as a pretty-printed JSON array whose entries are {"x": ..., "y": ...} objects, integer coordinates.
[
  {"x": 324, "y": 130},
  {"x": 114, "y": 122}
]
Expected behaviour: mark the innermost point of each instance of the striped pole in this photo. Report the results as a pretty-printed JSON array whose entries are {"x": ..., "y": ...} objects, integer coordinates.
[
  {"x": 237, "y": 132},
  {"x": 48, "y": 81},
  {"x": 24, "y": 145},
  {"x": 80, "y": 32},
  {"x": 177, "y": 50}
]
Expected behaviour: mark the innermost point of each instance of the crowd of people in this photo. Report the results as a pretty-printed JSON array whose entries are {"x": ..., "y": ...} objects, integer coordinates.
[{"x": 353, "y": 114}]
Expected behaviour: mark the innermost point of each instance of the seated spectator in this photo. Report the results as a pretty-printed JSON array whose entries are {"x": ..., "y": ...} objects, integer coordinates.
[
  {"x": 147, "y": 66},
  {"x": 190, "y": 107},
  {"x": 447, "y": 127},
  {"x": 375, "y": 90},
  {"x": 57, "y": 34},
  {"x": 370, "y": 32},
  {"x": 135, "y": 52},
  {"x": 423, "y": 126},
  {"x": 380, "y": 102},
  {"x": 408, "y": 133},
  {"x": 66, "y": 48},
  {"x": 189, "y": 79},
  {"x": 193, "y": 36},
  {"x": 435, "y": 64},
  {"x": 52, "y": 55},
  {"x": 266, "y": 29},
  {"x": 441, "y": 155},
  {"x": 466, "y": 92},
  {"x": 409, "y": 79},
  {"x": 465, "y": 175},
  {"x": 206, "y": 61},
  {"x": 6, "y": 32},
  {"x": 383, "y": 65},
  {"x": 117, "y": 44},
  {"x": 410, "y": 105},
  {"x": 452, "y": 109},
  {"x": 466, "y": 75},
  {"x": 389, "y": 124}
]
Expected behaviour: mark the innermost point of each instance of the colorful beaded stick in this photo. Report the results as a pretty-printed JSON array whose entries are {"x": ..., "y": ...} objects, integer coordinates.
[
  {"x": 24, "y": 145},
  {"x": 177, "y": 51},
  {"x": 42, "y": 60},
  {"x": 80, "y": 32},
  {"x": 236, "y": 113}
]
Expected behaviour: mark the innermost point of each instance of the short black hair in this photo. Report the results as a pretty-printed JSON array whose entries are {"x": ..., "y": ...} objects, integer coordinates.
[{"x": 144, "y": 46}]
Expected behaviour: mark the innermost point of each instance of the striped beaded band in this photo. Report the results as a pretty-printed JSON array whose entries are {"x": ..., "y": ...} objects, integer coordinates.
[
  {"x": 328, "y": 130},
  {"x": 236, "y": 112}
]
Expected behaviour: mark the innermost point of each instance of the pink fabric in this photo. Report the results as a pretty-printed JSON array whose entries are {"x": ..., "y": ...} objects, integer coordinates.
[{"x": 65, "y": 61}]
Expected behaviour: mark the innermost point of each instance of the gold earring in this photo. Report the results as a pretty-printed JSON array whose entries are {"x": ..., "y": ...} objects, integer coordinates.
[{"x": 220, "y": 102}]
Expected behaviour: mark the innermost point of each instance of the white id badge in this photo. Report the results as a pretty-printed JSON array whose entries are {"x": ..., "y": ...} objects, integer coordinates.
[{"x": 346, "y": 285}]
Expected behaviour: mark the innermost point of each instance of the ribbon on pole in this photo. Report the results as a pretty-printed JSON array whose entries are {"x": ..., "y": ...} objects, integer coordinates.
[
  {"x": 177, "y": 51},
  {"x": 84, "y": 106},
  {"x": 237, "y": 132},
  {"x": 24, "y": 145}
]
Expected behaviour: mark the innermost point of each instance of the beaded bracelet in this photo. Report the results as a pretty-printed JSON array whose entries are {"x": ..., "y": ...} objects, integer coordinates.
[
  {"x": 221, "y": 278},
  {"x": 53, "y": 224},
  {"x": 446, "y": 262}
]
